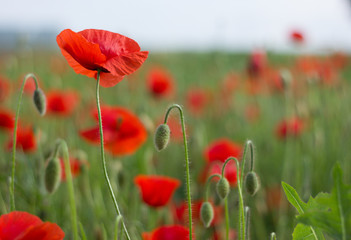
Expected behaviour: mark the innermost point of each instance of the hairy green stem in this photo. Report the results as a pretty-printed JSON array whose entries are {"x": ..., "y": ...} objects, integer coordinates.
[
  {"x": 103, "y": 161},
  {"x": 62, "y": 145},
  {"x": 226, "y": 218},
  {"x": 241, "y": 199},
  {"x": 186, "y": 163},
  {"x": 247, "y": 224},
  {"x": 14, "y": 141}
]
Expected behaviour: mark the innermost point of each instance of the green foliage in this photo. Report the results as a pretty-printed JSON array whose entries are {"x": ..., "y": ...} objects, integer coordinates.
[{"x": 328, "y": 212}]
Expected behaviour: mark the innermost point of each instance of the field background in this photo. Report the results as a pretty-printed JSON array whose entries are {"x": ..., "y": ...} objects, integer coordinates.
[{"x": 304, "y": 162}]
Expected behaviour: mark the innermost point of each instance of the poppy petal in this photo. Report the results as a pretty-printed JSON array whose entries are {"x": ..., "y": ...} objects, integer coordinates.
[
  {"x": 174, "y": 232},
  {"x": 44, "y": 231},
  {"x": 15, "y": 223},
  {"x": 111, "y": 44},
  {"x": 125, "y": 64},
  {"x": 156, "y": 191},
  {"x": 93, "y": 135},
  {"x": 79, "y": 52},
  {"x": 109, "y": 80}
]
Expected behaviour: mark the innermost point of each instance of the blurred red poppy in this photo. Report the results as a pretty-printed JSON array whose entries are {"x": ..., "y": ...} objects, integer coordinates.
[
  {"x": 160, "y": 82},
  {"x": 123, "y": 131},
  {"x": 156, "y": 191},
  {"x": 7, "y": 120},
  {"x": 297, "y": 37},
  {"x": 60, "y": 102},
  {"x": 90, "y": 50},
  {"x": 257, "y": 63},
  {"x": 4, "y": 88},
  {"x": 76, "y": 166},
  {"x": 24, "y": 226},
  {"x": 230, "y": 172},
  {"x": 221, "y": 149},
  {"x": 197, "y": 100},
  {"x": 290, "y": 127},
  {"x": 180, "y": 212},
  {"x": 25, "y": 140},
  {"x": 171, "y": 232}
]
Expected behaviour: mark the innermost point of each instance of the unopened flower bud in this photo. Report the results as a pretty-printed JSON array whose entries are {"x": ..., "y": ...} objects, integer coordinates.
[
  {"x": 162, "y": 136},
  {"x": 52, "y": 175},
  {"x": 252, "y": 183},
  {"x": 39, "y": 101},
  {"x": 206, "y": 213},
  {"x": 223, "y": 188}
]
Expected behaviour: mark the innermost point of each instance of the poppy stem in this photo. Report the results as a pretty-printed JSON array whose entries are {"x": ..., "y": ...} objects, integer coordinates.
[
  {"x": 186, "y": 163},
  {"x": 14, "y": 141},
  {"x": 208, "y": 184},
  {"x": 62, "y": 145},
  {"x": 103, "y": 161},
  {"x": 226, "y": 218},
  {"x": 241, "y": 199}
]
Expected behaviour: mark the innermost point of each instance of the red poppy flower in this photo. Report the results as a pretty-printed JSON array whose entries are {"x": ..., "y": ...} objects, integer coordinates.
[
  {"x": 90, "y": 50},
  {"x": 61, "y": 102},
  {"x": 7, "y": 120},
  {"x": 297, "y": 37},
  {"x": 25, "y": 140},
  {"x": 156, "y": 191},
  {"x": 197, "y": 100},
  {"x": 123, "y": 131},
  {"x": 160, "y": 82},
  {"x": 24, "y": 226},
  {"x": 171, "y": 232},
  {"x": 290, "y": 127},
  {"x": 4, "y": 88},
  {"x": 257, "y": 64},
  {"x": 221, "y": 149},
  {"x": 76, "y": 166}
]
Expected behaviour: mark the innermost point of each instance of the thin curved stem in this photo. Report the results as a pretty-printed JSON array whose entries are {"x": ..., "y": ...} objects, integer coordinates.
[
  {"x": 247, "y": 224},
  {"x": 226, "y": 218},
  {"x": 186, "y": 163},
  {"x": 241, "y": 199},
  {"x": 103, "y": 161},
  {"x": 61, "y": 144},
  {"x": 208, "y": 184},
  {"x": 14, "y": 141},
  {"x": 249, "y": 143}
]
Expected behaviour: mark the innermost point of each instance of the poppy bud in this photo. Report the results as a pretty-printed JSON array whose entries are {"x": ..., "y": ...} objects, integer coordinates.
[
  {"x": 252, "y": 183},
  {"x": 52, "y": 175},
  {"x": 223, "y": 188},
  {"x": 39, "y": 101},
  {"x": 206, "y": 213},
  {"x": 162, "y": 136}
]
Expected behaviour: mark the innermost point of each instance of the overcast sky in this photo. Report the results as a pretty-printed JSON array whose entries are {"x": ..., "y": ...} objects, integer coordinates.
[{"x": 193, "y": 24}]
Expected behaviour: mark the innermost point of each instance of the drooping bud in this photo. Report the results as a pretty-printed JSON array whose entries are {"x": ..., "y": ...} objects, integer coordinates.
[
  {"x": 252, "y": 183},
  {"x": 223, "y": 188},
  {"x": 39, "y": 101},
  {"x": 162, "y": 136},
  {"x": 206, "y": 213},
  {"x": 52, "y": 175}
]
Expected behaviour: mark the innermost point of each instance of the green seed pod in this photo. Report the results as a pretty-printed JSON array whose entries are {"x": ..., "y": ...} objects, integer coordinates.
[
  {"x": 252, "y": 183},
  {"x": 206, "y": 213},
  {"x": 223, "y": 188},
  {"x": 52, "y": 175},
  {"x": 39, "y": 101},
  {"x": 162, "y": 136}
]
